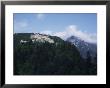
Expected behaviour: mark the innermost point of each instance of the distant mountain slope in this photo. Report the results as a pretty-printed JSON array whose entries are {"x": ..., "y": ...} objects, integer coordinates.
[
  {"x": 38, "y": 56},
  {"x": 83, "y": 46}
]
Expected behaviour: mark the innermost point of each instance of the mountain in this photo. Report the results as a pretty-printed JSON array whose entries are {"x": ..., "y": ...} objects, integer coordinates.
[
  {"x": 83, "y": 46},
  {"x": 40, "y": 54},
  {"x": 43, "y": 54}
]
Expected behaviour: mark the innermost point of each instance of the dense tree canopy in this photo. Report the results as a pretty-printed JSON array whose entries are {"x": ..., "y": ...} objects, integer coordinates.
[{"x": 59, "y": 58}]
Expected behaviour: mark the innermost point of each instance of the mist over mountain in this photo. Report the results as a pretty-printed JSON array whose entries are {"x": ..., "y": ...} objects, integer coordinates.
[
  {"x": 72, "y": 30},
  {"x": 83, "y": 46}
]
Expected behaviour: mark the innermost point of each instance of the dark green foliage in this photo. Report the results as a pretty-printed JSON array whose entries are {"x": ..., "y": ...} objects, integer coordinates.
[{"x": 59, "y": 58}]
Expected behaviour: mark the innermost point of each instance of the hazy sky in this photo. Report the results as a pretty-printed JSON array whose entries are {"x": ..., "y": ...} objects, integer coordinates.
[{"x": 82, "y": 25}]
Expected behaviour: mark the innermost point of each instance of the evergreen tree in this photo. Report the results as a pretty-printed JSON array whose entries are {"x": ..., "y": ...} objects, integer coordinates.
[
  {"x": 88, "y": 63},
  {"x": 59, "y": 58}
]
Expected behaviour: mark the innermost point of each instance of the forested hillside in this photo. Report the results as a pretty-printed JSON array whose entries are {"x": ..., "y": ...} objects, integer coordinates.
[{"x": 32, "y": 57}]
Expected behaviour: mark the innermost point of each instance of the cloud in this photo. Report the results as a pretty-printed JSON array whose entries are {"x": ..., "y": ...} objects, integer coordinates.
[
  {"x": 20, "y": 26},
  {"x": 40, "y": 16},
  {"x": 72, "y": 30},
  {"x": 48, "y": 32},
  {"x": 23, "y": 24}
]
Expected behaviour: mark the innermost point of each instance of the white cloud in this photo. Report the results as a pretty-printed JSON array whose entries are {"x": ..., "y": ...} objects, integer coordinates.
[
  {"x": 40, "y": 16},
  {"x": 22, "y": 24},
  {"x": 72, "y": 30},
  {"x": 48, "y": 32}
]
